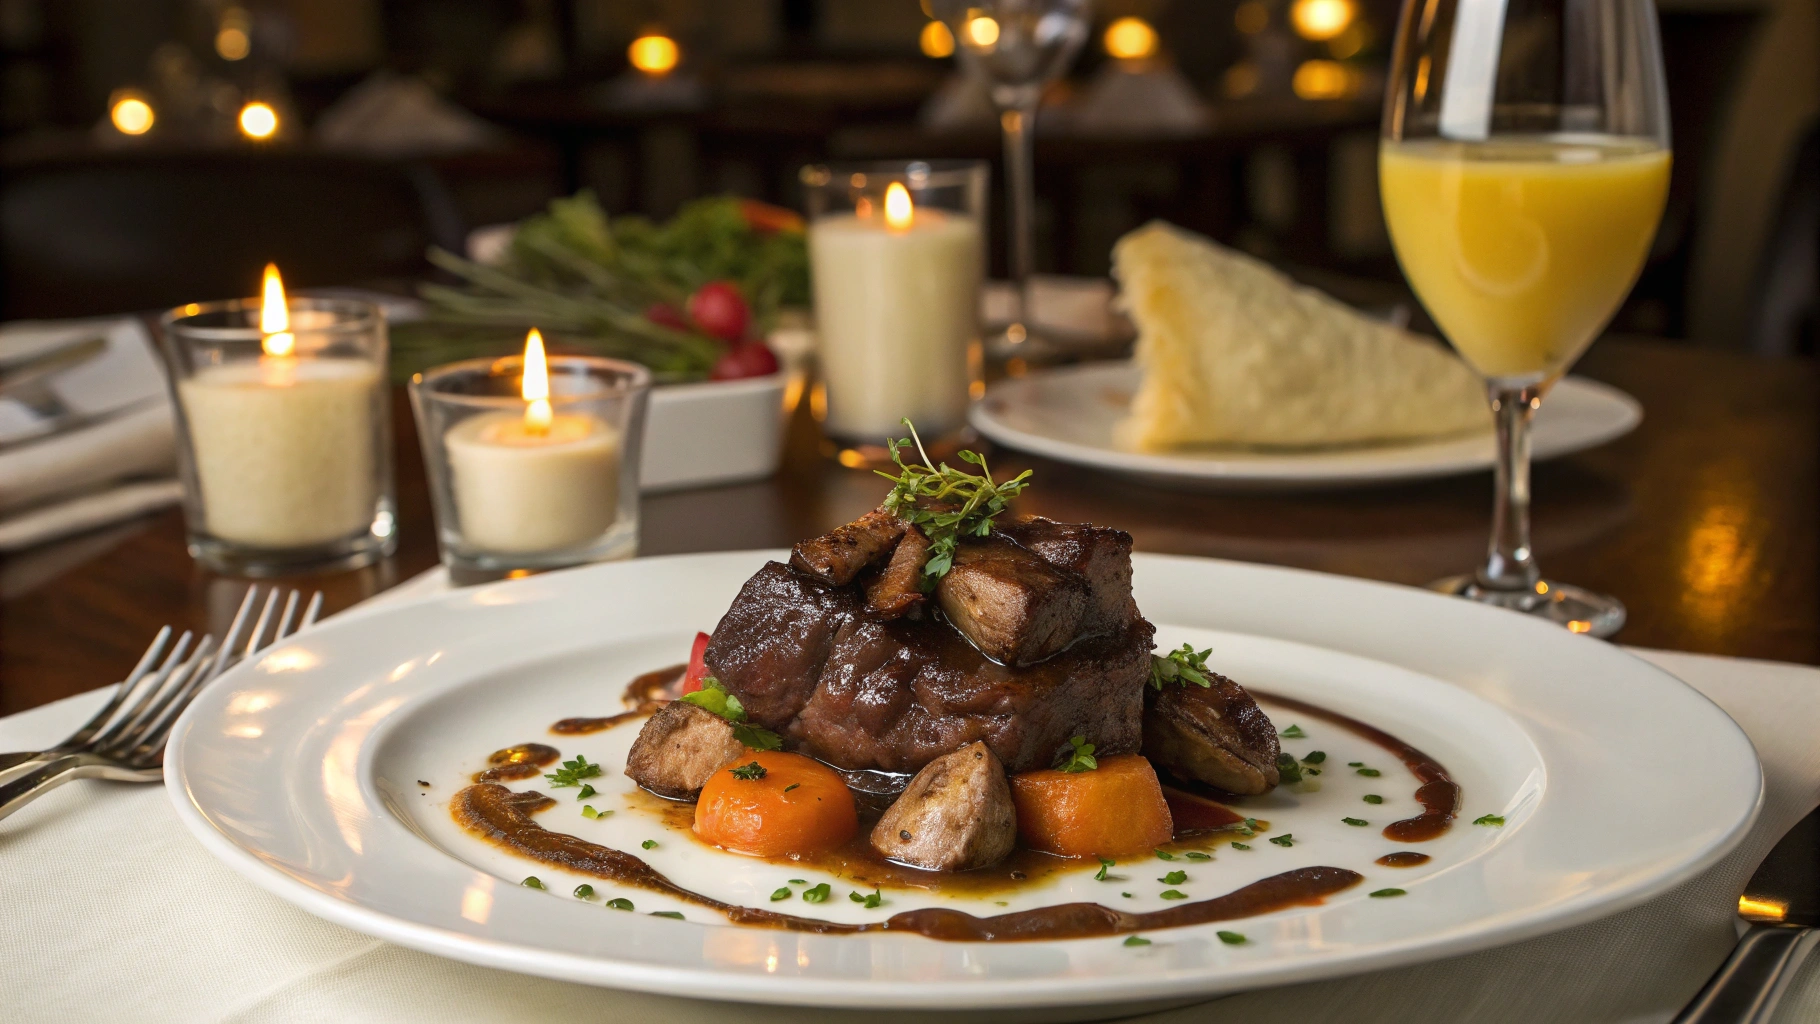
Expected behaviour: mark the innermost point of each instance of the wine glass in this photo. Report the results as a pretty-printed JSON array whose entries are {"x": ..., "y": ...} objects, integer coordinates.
[
  {"x": 1523, "y": 165},
  {"x": 1017, "y": 47}
]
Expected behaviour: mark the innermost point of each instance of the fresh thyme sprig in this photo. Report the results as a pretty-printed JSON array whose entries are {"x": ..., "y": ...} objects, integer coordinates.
[
  {"x": 572, "y": 772},
  {"x": 1184, "y": 666},
  {"x": 1078, "y": 759},
  {"x": 945, "y": 503}
]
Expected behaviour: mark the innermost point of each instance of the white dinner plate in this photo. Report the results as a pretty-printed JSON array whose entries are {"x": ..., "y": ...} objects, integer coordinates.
[
  {"x": 306, "y": 771},
  {"x": 1068, "y": 414}
]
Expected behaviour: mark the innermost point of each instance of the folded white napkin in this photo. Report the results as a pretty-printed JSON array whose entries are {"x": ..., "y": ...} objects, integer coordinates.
[
  {"x": 121, "y": 465},
  {"x": 114, "y": 912}
]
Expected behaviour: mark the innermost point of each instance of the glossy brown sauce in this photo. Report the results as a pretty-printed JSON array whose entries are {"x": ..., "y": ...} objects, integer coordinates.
[
  {"x": 583, "y": 726},
  {"x": 1402, "y": 859},
  {"x": 1439, "y": 795},
  {"x": 645, "y": 694},
  {"x": 1193, "y": 812},
  {"x": 491, "y": 811},
  {"x": 523, "y": 761}
]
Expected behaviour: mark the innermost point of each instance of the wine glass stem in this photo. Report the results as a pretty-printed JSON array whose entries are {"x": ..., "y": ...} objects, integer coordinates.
[
  {"x": 1020, "y": 155},
  {"x": 1510, "y": 564}
]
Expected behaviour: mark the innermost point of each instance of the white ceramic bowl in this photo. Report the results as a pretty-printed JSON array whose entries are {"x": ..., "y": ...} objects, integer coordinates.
[{"x": 714, "y": 432}]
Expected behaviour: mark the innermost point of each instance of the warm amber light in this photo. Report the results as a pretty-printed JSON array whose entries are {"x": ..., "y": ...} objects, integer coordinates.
[
  {"x": 654, "y": 54},
  {"x": 982, "y": 31},
  {"x": 899, "y": 211},
  {"x": 258, "y": 120},
  {"x": 936, "y": 40},
  {"x": 1321, "y": 19},
  {"x": 1323, "y": 80},
  {"x": 1251, "y": 17},
  {"x": 1130, "y": 39},
  {"x": 1770, "y": 910},
  {"x": 535, "y": 385},
  {"x": 275, "y": 315},
  {"x": 232, "y": 43},
  {"x": 132, "y": 115}
]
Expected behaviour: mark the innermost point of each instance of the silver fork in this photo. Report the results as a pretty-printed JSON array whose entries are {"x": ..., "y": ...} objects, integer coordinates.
[{"x": 128, "y": 745}]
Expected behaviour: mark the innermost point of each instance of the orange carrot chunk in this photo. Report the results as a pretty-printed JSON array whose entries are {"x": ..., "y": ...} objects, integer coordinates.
[
  {"x": 1114, "y": 810},
  {"x": 768, "y": 803}
]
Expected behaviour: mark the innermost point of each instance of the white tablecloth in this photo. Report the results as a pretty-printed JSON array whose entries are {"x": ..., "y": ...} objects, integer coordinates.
[{"x": 113, "y": 913}]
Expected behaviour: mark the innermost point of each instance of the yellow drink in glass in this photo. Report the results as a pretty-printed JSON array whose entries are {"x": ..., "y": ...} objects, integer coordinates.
[{"x": 1521, "y": 248}]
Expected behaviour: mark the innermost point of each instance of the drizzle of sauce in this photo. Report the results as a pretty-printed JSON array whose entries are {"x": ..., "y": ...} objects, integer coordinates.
[
  {"x": 1402, "y": 859},
  {"x": 1194, "y": 813},
  {"x": 520, "y": 762},
  {"x": 491, "y": 812},
  {"x": 583, "y": 726},
  {"x": 645, "y": 694},
  {"x": 1439, "y": 794}
]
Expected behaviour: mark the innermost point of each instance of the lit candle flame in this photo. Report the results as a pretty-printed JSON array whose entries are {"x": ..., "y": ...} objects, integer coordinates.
[
  {"x": 899, "y": 211},
  {"x": 275, "y": 316},
  {"x": 535, "y": 386}
]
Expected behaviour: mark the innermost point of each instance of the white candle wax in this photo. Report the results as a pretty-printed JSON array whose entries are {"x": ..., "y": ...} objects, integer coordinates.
[
  {"x": 896, "y": 310},
  {"x": 284, "y": 449},
  {"x": 519, "y": 491}
]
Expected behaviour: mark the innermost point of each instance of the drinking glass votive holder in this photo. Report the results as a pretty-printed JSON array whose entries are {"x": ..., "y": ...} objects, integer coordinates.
[
  {"x": 897, "y": 293},
  {"x": 511, "y": 494},
  {"x": 284, "y": 440}
]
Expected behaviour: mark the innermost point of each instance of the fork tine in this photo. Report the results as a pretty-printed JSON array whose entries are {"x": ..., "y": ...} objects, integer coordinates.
[
  {"x": 149, "y": 731},
  {"x": 126, "y": 687},
  {"x": 231, "y": 639},
  {"x": 256, "y": 640},
  {"x": 310, "y": 613},
  {"x": 153, "y": 684},
  {"x": 284, "y": 621}
]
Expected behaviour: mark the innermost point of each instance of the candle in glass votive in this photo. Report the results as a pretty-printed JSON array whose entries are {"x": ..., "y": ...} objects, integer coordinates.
[
  {"x": 283, "y": 445},
  {"x": 897, "y": 306},
  {"x": 537, "y": 480}
]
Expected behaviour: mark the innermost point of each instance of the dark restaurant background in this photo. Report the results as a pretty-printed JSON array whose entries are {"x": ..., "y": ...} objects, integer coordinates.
[{"x": 132, "y": 183}]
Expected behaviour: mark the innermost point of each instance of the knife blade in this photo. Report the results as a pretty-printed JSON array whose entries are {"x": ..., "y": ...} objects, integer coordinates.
[
  {"x": 19, "y": 373},
  {"x": 1781, "y": 903}
]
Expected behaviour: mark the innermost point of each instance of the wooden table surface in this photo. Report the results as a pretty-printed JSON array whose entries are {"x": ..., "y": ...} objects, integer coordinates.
[{"x": 1703, "y": 521}]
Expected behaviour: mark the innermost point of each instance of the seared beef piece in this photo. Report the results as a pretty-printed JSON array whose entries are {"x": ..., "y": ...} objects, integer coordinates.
[
  {"x": 1099, "y": 553},
  {"x": 897, "y": 591},
  {"x": 1214, "y": 734},
  {"x": 837, "y": 682},
  {"x": 679, "y": 749},
  {"x": 1010, "y": 602},
  {"x": 956, "y": 814},
  {"x": 839, "y": 555}
]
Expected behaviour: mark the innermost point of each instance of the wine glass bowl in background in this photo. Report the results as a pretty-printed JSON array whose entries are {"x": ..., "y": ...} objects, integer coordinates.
[
  {"x": 1016, "y": 48},
  {"x": 1523, "y": 168}
]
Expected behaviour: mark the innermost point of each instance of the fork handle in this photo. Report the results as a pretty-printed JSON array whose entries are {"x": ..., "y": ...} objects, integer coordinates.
[
  {"x": 1747, "y": 987},
  {"x": 55, "y": 772},
  {"x": 10, "y": 761}
]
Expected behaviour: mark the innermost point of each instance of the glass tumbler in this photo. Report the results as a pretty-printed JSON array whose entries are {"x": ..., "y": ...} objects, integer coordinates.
[
  {"x": 284, "y": 440},
  {"x": 897, "y": 254},
  {"x": 521, "y": 484}
]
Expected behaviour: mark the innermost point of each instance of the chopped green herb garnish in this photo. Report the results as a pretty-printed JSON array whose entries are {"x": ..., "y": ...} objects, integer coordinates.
[
  {"x": 584, "y": 891},
  {"x": 532, "y": 882},
  {"x": 588, "y": 811},
  {"x": 1373, "y": 798},
  {"x": 1136, "y": 940},
  {"x": 799, "y": 881},
  {"x": 1490, "y": 819},
  {"x": 1100, "y": 876},
  {"x": 649, "y": 844},
  {"x": 817, "y": 893},
  {"x": 946, "y": 504},
  {"x": 1386, "y": 893},
  {"x": 1249, "y": 827},
  {"x": 714, "y": 697},
  {"x": 1314, "y": 757},
  {"x": 791, "y": 786},
  {"x": 1163, "y": 854},
  {"x": 1370, "y": 773},
  {"x": 1289, "y": 771},
  {"x": 1180, "y": 667},
  {"x": 1356, "y": 822},
  {"x": 1125, "y": 894},
  {"x": 1231, "y": 938},
  {"x": 1174, "y": 878},
  {"x": 1174, "y": 894},
  {"x": 586, "y": 792},
  {"x": 1197, "y": 855},
  {"x": 1355, "y": 764},
  {"x": 675, "y": 914},
  {"x": 1000, "y": 903},
  {"x": 1240, "y": 846},
  {"x": 782, "y": 892},
  {"x": 1294, "y": 732},
  {"x": 621, "y": 903},
  {"x": 1286, "y": 839},
  {"x": 873, "y": 900},
  {"x": 1080, "y": 759},
  {"x": 751, "y": 772},
  {"x": 572, "y": 772},
  {"x": 1310, "y": 771}
]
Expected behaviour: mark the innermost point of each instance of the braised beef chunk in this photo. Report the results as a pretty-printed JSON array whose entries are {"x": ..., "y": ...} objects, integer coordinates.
[
  {"x": 1101, "y": 555},
  {"x": 1214, "y": 734},
  {"x": 809, "y": 662},
  {"x": 956, "y": 814},
  {"x": 679, "y": 749},
  {"x": 839, "y": 555},
  {"x": 897, "y": 591},
  {"x": 1014, "y": 605}
]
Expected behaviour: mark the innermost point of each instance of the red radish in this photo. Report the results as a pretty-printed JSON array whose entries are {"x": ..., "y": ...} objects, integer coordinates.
[
  {"x": 698, "y": 664},
  {"x": 749, "y": 359},
  {"x": 719, "y": 310},
  {"x": 665, "y": 315}
]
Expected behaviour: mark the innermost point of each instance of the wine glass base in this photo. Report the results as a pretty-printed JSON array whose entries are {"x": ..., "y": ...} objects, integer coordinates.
[{"x": 1577, "y": 609}]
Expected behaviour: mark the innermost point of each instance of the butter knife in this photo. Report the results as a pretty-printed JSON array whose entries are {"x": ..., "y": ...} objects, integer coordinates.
[{"x": 1781, "y": 903}]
